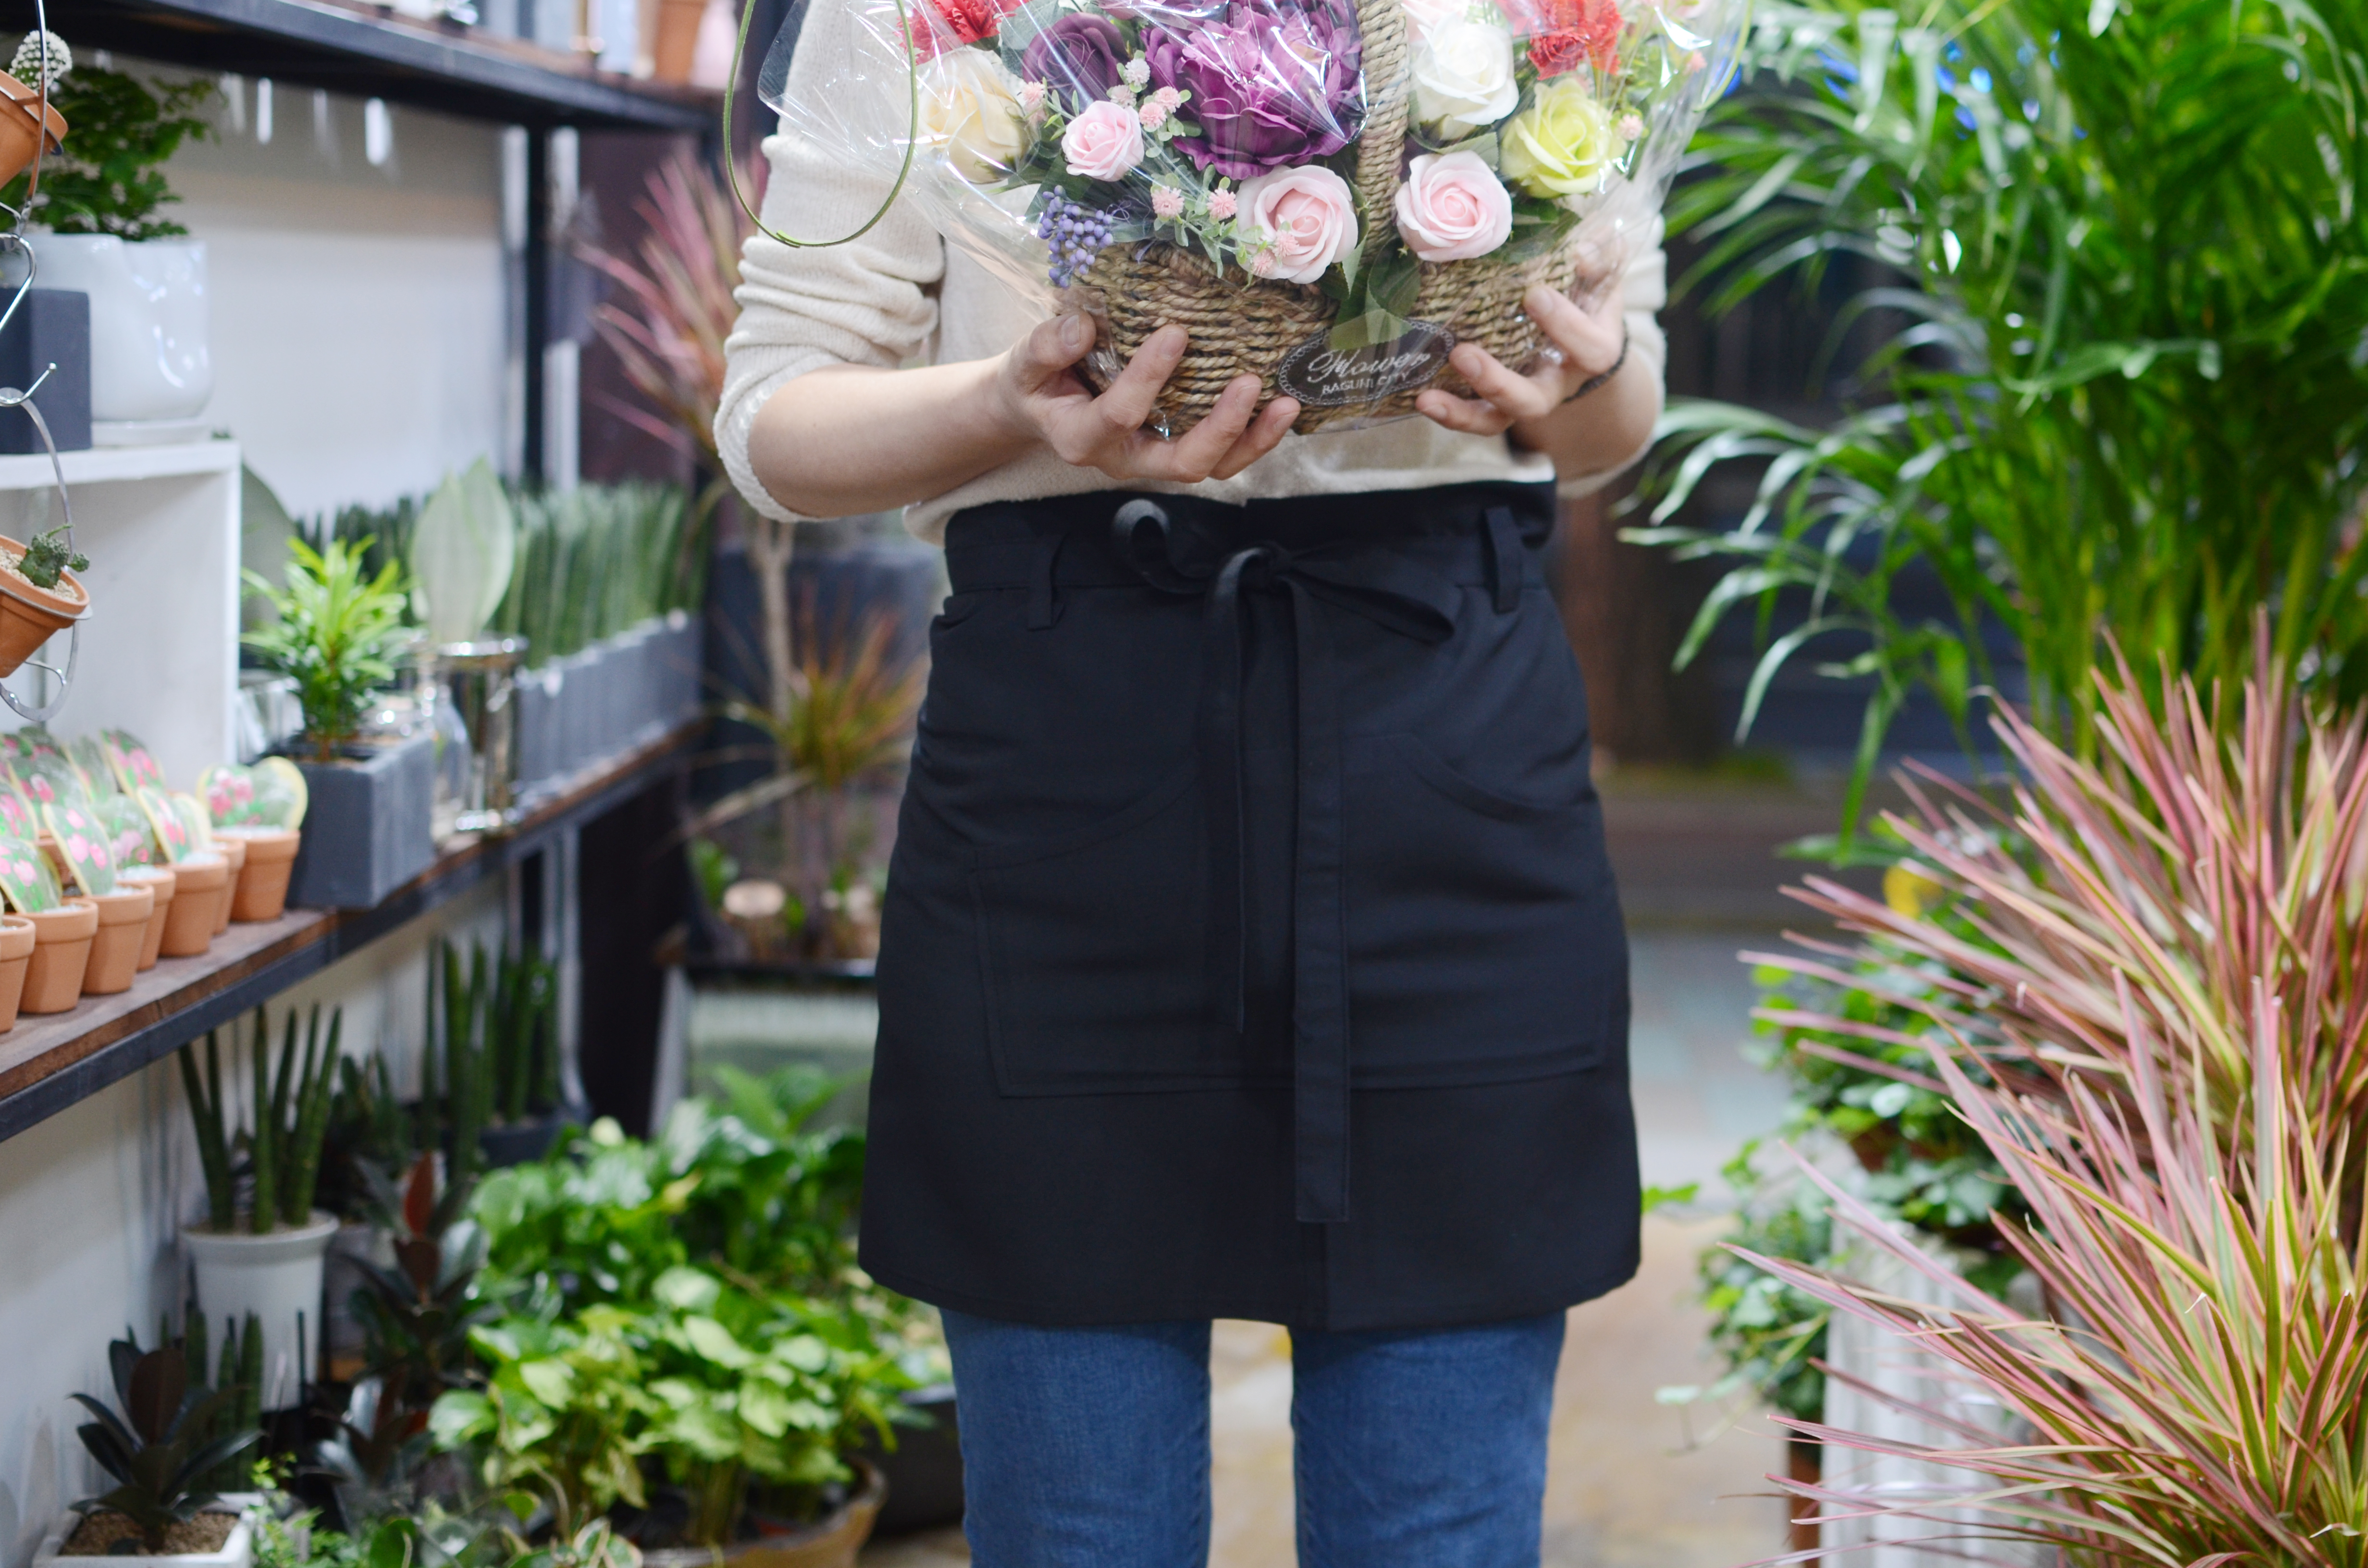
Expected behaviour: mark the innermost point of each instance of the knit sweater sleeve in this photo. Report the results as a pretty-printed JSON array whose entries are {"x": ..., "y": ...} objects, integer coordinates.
[
  {"x": 1644, "y": 289},
  {"x": 872, "y": 302}
]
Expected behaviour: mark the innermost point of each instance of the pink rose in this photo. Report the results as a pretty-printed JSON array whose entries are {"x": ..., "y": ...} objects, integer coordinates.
[
  {"x": 1104, "y": 142},
  {"x": 1453, "y": 207},
  {"x": 1307, "y": 216}
]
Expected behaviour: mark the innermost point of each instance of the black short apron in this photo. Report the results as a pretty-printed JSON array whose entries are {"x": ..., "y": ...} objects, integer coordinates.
[{"x": 1249, "y": 948}]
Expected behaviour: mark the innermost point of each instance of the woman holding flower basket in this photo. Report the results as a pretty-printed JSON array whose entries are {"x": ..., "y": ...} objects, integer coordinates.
[{"x": 1249, "y": 948}]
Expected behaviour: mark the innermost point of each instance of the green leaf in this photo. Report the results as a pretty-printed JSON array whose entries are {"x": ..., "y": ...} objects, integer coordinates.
[
  {"x": 552, "y": 1382},
  {"x": 712, "y": 1340}
]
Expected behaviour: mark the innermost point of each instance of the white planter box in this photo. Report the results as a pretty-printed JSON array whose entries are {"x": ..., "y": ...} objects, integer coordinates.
[
  {"x": 238, "y": 1551},
  {"x": 1889, "y": 1364},
  {"x": 276, "y": 1277},
  {"x": 149, "y": 354}
]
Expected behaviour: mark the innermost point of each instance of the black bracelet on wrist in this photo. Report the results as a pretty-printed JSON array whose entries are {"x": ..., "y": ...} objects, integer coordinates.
[{"x": 1597, "y": 380}]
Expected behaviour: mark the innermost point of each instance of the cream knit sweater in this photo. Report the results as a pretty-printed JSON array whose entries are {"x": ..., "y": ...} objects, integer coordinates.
[{"x": 901, "y": 294}]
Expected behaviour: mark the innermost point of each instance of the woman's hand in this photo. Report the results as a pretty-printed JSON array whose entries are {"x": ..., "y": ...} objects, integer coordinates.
[
  {"x": 1586, "y": 342},
  {"x": 1044, "y": 401}
]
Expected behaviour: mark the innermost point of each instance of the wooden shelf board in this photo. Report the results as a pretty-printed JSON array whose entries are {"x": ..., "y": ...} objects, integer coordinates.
[
  {"x": 368, "y": 51},
  {"x": 48, "y": 1064}
]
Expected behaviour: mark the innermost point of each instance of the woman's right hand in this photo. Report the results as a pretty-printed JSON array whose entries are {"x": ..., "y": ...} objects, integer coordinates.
[{"x": 1045, "y": 399}]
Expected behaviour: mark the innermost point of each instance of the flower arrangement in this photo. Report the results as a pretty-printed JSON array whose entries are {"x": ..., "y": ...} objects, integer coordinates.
[{"x": 1372, "y": 174}]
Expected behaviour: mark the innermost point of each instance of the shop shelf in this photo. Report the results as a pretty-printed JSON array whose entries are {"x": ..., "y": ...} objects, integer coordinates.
[
  {"x": 368, "y": 51},
  {"x": 48, "y": 1064}
]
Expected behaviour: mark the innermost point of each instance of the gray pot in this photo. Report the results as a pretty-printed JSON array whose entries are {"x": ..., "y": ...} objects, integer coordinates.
[
  {"x": 633, "y": 699},
  {"x": 578, "y": 710},
  {"x": 368, "y": 829},
  {"x": 538, "y": 728},
  {"x": 678, "y": 660}
]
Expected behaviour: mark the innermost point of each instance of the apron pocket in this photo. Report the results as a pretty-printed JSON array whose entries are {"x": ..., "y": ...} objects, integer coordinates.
[
  {"x": 1484, "y": 932},
  {"x": 1095, "y": 950}
]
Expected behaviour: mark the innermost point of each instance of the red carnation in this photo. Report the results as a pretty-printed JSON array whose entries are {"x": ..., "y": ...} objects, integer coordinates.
[
  {"x": 968, "y": 21},
  {"x": 1578, "y": 29}
]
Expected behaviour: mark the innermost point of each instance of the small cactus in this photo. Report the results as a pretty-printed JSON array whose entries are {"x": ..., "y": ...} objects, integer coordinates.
[
  {"x": 47, "y": 556},
  {"x": 40, "y": 60}
]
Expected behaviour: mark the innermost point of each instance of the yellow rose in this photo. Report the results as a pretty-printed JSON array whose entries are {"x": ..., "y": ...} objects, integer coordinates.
[
  {"x": 970, "y": 105},
  {"x": 1563, "y": 144}
]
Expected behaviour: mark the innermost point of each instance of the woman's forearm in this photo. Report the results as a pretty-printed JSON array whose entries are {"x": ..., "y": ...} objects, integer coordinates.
[
  {"x": 853, "y": 438},
  {"x": 1599, "y": 431}
]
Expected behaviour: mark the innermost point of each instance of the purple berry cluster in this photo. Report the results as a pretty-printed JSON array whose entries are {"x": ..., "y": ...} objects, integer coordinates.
[{"x": 1075, "y": 233}]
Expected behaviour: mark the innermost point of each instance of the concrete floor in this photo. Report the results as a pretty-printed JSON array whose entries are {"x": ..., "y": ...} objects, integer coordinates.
[{"x": 1632, "y": 1483}]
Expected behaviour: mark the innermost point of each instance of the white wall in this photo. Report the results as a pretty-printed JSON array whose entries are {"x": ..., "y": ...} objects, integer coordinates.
[
  {"x": 92, "y": 1200},
  {"x": 359, "y": 310}
]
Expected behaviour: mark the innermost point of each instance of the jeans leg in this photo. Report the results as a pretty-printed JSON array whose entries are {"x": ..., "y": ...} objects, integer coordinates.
[
  {"x": 1424, "y": 1449},
  {"x": 1083, "y": 1447}
]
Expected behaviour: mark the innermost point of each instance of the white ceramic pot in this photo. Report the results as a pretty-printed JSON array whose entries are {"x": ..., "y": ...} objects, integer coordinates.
[
  {"x": 276, "y": 1277},
  {"x": 149, "y": 358},
  {"x": 238, "y": 1551}
]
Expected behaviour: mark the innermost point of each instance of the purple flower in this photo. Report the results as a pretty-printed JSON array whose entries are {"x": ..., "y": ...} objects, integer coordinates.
[
  {"x": 1274, "y": 82},
  {"x": 1078, "y": 57}
]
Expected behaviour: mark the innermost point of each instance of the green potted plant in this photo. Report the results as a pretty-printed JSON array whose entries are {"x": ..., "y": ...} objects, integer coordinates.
[
  {"x": 336, "y": 631},
  {"x": 265, "y": 1256},
  {"x": 159, "y": 1450},
  {"x": 152, "y": 368}
]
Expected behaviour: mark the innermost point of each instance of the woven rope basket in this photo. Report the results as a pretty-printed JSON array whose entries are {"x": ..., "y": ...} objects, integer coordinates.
[{"x": 1239, "y": 330}]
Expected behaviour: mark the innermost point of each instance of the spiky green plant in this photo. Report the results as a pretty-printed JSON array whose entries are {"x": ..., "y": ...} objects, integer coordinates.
[
  {"x": 2163, "y": 1041},
  {"x": 282, "y": 1141},
  {"x": 2123, "y": 275},
  {"x": 599, "y": 559}
]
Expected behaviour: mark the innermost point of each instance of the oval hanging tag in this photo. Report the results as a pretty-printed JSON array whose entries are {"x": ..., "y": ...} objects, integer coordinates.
[{"x": 1321, "y": 376}]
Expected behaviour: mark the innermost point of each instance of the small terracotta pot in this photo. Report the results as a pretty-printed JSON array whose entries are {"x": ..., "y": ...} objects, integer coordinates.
[
  {"x": 114, "y": 948},
  {"x": 20, "y": 139},
  {"x": 15, "y": 952},
  {"x": 28, "y": 615},
  {"x": 159, "y": 880},
  {"x": 62, "y": 939},
  {"x": 200, "y": 890},
  {"x": 234, "y": 851},
  {"x": 263, "y": 881}
]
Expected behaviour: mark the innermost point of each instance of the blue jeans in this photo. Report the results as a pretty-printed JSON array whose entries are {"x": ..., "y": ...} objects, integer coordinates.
[{"x": 1088, "y": 1448}]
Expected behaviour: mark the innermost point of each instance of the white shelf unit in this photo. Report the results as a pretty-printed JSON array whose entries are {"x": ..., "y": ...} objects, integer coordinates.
[{"x": 159, "y": 654}]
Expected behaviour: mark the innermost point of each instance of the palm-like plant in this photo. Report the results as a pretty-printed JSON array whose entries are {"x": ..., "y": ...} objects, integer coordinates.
[
  {"x": 334, "y": 630},
  {"x": 2163, "y": 1039},
  {"x": 2127, "y": 247}
]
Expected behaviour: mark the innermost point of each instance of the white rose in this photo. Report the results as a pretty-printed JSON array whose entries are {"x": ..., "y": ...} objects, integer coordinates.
[
  {"x": 1421, "y": 16},
  {"x": 970, "y": 106},
  {"x": 1464, "y": 77}
]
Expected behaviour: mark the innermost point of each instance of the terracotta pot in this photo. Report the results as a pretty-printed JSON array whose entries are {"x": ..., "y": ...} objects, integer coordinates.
[
  {"x": 159, "y": 880},
  {"x": 62, "y": 939},
  {"x": 15, "y": 952},
  {"x": 262, "y": 890},
  {"x": 20, "y": 137},
  {"x": 830, "y": 1543},
  {"x": 114, "y": 948},
  {"x": 676, "y": 44},
  {"x": 200, "y": 890},
  {"x": 234, "y": 851},
  {"x": 29, "y": 615}
]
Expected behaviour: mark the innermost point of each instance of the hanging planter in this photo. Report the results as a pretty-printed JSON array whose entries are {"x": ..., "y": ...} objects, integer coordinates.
[
  {"x": 40, "y": 595},
  {"x": 28, "y": 127}
]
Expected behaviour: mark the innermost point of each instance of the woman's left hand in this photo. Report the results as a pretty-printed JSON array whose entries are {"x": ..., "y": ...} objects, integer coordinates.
[{"x": 1588, "y": 340}]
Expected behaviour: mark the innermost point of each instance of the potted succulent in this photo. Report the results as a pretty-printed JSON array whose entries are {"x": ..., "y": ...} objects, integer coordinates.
[
  {"x": 63, "y": 927},
  {"x": 82, "y": 848},
  {"x": 28, "y": 126},
  {"x": 40, "y": 595},
  {"x": 202, "y": 876},
  {"x": 334, "y": 631},
  {"x": 151, "y": 369},
  {"x": 267, "y": 1259},
  {"x": 166, "y": 1450},
  {"x": 499, "y": 1055},
  {"x": 262, "y": 809}
]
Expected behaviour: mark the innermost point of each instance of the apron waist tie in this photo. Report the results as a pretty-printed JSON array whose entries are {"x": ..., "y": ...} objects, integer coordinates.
[{"x": 1386, "y": 588}]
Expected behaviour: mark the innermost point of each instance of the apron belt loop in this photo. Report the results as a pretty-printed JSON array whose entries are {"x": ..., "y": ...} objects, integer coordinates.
[
  {"x": 1044, "y": 598},
  {"x": 1508, "y": 562}
]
